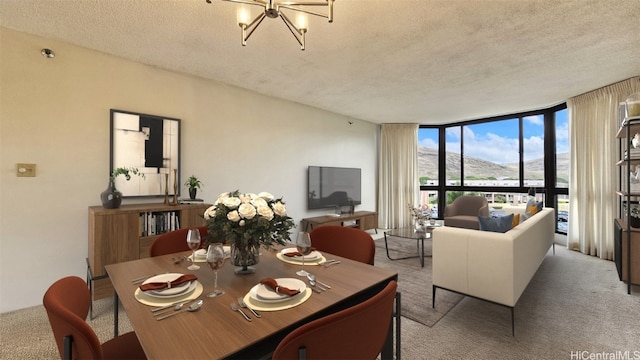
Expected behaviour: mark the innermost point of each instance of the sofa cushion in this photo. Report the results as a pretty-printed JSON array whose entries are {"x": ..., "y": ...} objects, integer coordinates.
[
  {"x": 462, "y": 221},
  {"x": 533, "y": 207},
  {"x": 515, "y": 221},
  {"x": 500, "y": 224}
]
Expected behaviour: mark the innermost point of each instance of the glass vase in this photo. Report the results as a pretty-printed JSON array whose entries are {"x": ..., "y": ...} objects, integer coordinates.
[{"x": 244, "y": 256}]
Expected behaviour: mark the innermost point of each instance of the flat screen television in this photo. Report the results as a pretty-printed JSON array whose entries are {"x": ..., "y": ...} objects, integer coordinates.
[{"x": 333, "y": 186}]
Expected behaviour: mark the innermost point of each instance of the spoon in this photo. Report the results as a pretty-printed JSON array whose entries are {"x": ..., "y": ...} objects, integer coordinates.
[
  {"x": 193, "y": 307},
  {"x": 312, "y": 281},
  {"x": 312, "y": 277},
  {"x": 215, "y": 293}
]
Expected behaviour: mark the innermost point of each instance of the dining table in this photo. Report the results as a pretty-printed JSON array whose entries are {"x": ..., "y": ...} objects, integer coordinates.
[{"x": 215, "y": 330}]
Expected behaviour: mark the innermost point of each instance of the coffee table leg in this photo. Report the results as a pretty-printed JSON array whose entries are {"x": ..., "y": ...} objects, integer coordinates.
[
  {"x": 386, "y": 246},
  {"x": 422, "y": 252}
]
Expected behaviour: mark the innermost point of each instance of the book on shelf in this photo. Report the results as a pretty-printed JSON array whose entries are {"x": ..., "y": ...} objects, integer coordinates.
[{"x": 156, "y": 223}]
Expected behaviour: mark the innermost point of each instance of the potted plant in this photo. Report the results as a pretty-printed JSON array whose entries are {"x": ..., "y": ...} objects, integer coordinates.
[
  {"x": 112, "y": 198},
  {"x": 193, "y": 183}
]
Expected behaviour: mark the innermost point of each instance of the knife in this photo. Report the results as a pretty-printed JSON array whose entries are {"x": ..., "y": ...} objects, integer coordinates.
[{"x": 168, "y": 306}]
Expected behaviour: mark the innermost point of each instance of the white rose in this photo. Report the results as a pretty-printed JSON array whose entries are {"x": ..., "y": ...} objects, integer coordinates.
[
  {"x": 210, "y": 212},
  {"x": 221, "y": 198},
  {"x": 247, "y": 211},
  {"x": 241, "y": 223},
  {"x": 257, "y": 202},
  {"x": 279, "y": 209},
  {"x": 267, "y": 196},
  {"x": 231, "y": 202},
  {"x": 233, "y": 216},
  {"x": 266, "y": 212}
]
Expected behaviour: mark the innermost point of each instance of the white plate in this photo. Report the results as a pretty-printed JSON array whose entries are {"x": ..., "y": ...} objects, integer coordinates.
[
  {"x": 314, "y": 255},
  {"x": 264, "y": 294},
  {"x": 177, "y": 290},
  {"x": 192, "y": 286},
  {"x": 201, "y": 254}
]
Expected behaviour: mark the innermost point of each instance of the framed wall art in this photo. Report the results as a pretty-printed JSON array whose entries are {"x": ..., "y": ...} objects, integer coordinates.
[{"x": 151, "y": 144}]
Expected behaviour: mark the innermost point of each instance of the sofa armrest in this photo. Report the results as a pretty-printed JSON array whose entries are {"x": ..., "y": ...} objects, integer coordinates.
[{"x": 450, "y": 258}]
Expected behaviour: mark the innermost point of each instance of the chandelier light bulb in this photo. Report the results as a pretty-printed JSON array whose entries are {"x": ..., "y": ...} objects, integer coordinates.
[
  {"x": 303, "y": 21},
  {"x": 242, "y": 15}
]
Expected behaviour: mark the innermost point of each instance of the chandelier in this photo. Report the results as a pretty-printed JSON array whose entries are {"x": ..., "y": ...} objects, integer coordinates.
[{"x": 273, "y": 9}]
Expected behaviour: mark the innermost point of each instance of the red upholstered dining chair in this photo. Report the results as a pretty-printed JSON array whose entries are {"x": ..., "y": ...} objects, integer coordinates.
[
  {"x": 174, "y": 241},
  {"x": 67, "y": 304},
  {"x": 358, "y": 332},
  {"x": 348, "y": 242}
]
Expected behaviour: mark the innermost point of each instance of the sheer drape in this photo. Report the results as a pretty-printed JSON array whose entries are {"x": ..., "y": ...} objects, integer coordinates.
[
  {"x": 398, "y": 169},
  {"x": 593, "y": 123}
]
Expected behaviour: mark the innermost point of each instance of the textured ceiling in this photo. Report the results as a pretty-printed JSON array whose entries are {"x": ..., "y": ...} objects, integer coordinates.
[{"x": 383, "y": 61}]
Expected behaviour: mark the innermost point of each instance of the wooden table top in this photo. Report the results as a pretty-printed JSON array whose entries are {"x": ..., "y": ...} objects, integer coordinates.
[{"x": 215, "y": 331}]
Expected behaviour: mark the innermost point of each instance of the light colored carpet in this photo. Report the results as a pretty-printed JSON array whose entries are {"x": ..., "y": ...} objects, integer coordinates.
[
  {"x": 574, "y": 303},
  {"x": 414, "y": 282}
]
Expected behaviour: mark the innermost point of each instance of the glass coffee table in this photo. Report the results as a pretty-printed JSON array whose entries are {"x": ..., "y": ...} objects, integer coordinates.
[{"x": 411, "y": 234}]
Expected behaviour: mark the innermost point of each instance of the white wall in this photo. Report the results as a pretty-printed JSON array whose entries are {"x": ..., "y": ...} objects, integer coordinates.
[{"x": 55, "y": 113}]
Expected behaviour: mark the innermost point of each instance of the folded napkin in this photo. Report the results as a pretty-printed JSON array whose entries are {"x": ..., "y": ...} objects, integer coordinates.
[
  {"x": 297, "y": 253},
  {"x": 168, "y": 284},
  {"x": 273, "y": 285}
]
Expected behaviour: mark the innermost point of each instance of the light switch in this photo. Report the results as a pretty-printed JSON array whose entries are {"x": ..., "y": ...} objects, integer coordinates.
[{"x": 26, "y": 170}]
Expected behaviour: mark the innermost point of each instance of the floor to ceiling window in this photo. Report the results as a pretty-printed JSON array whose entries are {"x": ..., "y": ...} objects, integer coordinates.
[{"x": 500, "y": 158}]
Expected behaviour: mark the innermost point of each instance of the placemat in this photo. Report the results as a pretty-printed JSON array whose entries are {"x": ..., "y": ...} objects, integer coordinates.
[
  {"x": 286, "y": 259},
  {"x": 154, "y": 301}
]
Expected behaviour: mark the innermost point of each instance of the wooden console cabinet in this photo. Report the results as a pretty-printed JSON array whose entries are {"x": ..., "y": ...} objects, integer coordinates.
[
  {"x": 124, "y": 234},
  {"x": 363, "y": 220}
]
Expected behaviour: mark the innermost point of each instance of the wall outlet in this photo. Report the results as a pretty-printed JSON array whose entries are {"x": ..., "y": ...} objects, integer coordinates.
[{"x": 26, "y": 170}]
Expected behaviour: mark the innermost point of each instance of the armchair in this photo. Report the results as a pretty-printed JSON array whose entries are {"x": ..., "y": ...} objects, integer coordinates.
[{"x": 463, "y": 212}]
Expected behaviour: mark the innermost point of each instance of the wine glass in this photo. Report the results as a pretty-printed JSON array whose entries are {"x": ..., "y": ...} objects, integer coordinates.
[
  {"x": 303, "y": 244},
  {"x": 193, "y": 240},
  {"x": 215, "y": 259}
]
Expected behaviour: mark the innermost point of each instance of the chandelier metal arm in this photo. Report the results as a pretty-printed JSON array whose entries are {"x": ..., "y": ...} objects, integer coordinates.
[
  {"x": 310, "y": 12},
  {"x": 251, "y": 27},
  {"x": 291, "y": 26}
]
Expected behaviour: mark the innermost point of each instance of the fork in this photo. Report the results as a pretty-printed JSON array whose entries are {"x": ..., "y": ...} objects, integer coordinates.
[
  {"x": 235, "y": 307},
  {"x": 244, "y": 305}
]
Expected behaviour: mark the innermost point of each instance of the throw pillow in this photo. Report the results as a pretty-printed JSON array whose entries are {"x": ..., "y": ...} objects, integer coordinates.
[
  {"x": 516, "y": 220},
  {"x": 498, "y": 224},
  {"x": 532, "y": 208}
]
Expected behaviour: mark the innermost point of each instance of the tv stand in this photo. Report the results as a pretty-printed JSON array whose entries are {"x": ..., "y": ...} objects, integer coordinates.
[{"x": 363, "y": 220}]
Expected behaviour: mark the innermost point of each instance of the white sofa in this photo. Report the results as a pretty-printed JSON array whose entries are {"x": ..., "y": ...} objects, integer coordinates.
[{"x": 491, "y": 266}]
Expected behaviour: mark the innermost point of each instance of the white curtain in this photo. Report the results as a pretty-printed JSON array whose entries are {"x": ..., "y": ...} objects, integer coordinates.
[
  {"x": 398, "y": 169},
  {"x": 593, "y": 123}
]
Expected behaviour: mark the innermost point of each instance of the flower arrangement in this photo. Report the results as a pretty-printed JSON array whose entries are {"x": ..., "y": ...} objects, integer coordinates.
[
  {"x": 248, "y": 220},
  {"x": 420, "y": 214}
]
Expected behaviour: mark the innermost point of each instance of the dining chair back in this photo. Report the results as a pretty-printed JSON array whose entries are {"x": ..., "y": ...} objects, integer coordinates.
[
  {"x": 348, "y": 242},
  {"x": 358, "y": 332},
  {"x": 174, "y": 241},
  {"x": 67, "y": 304}
]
